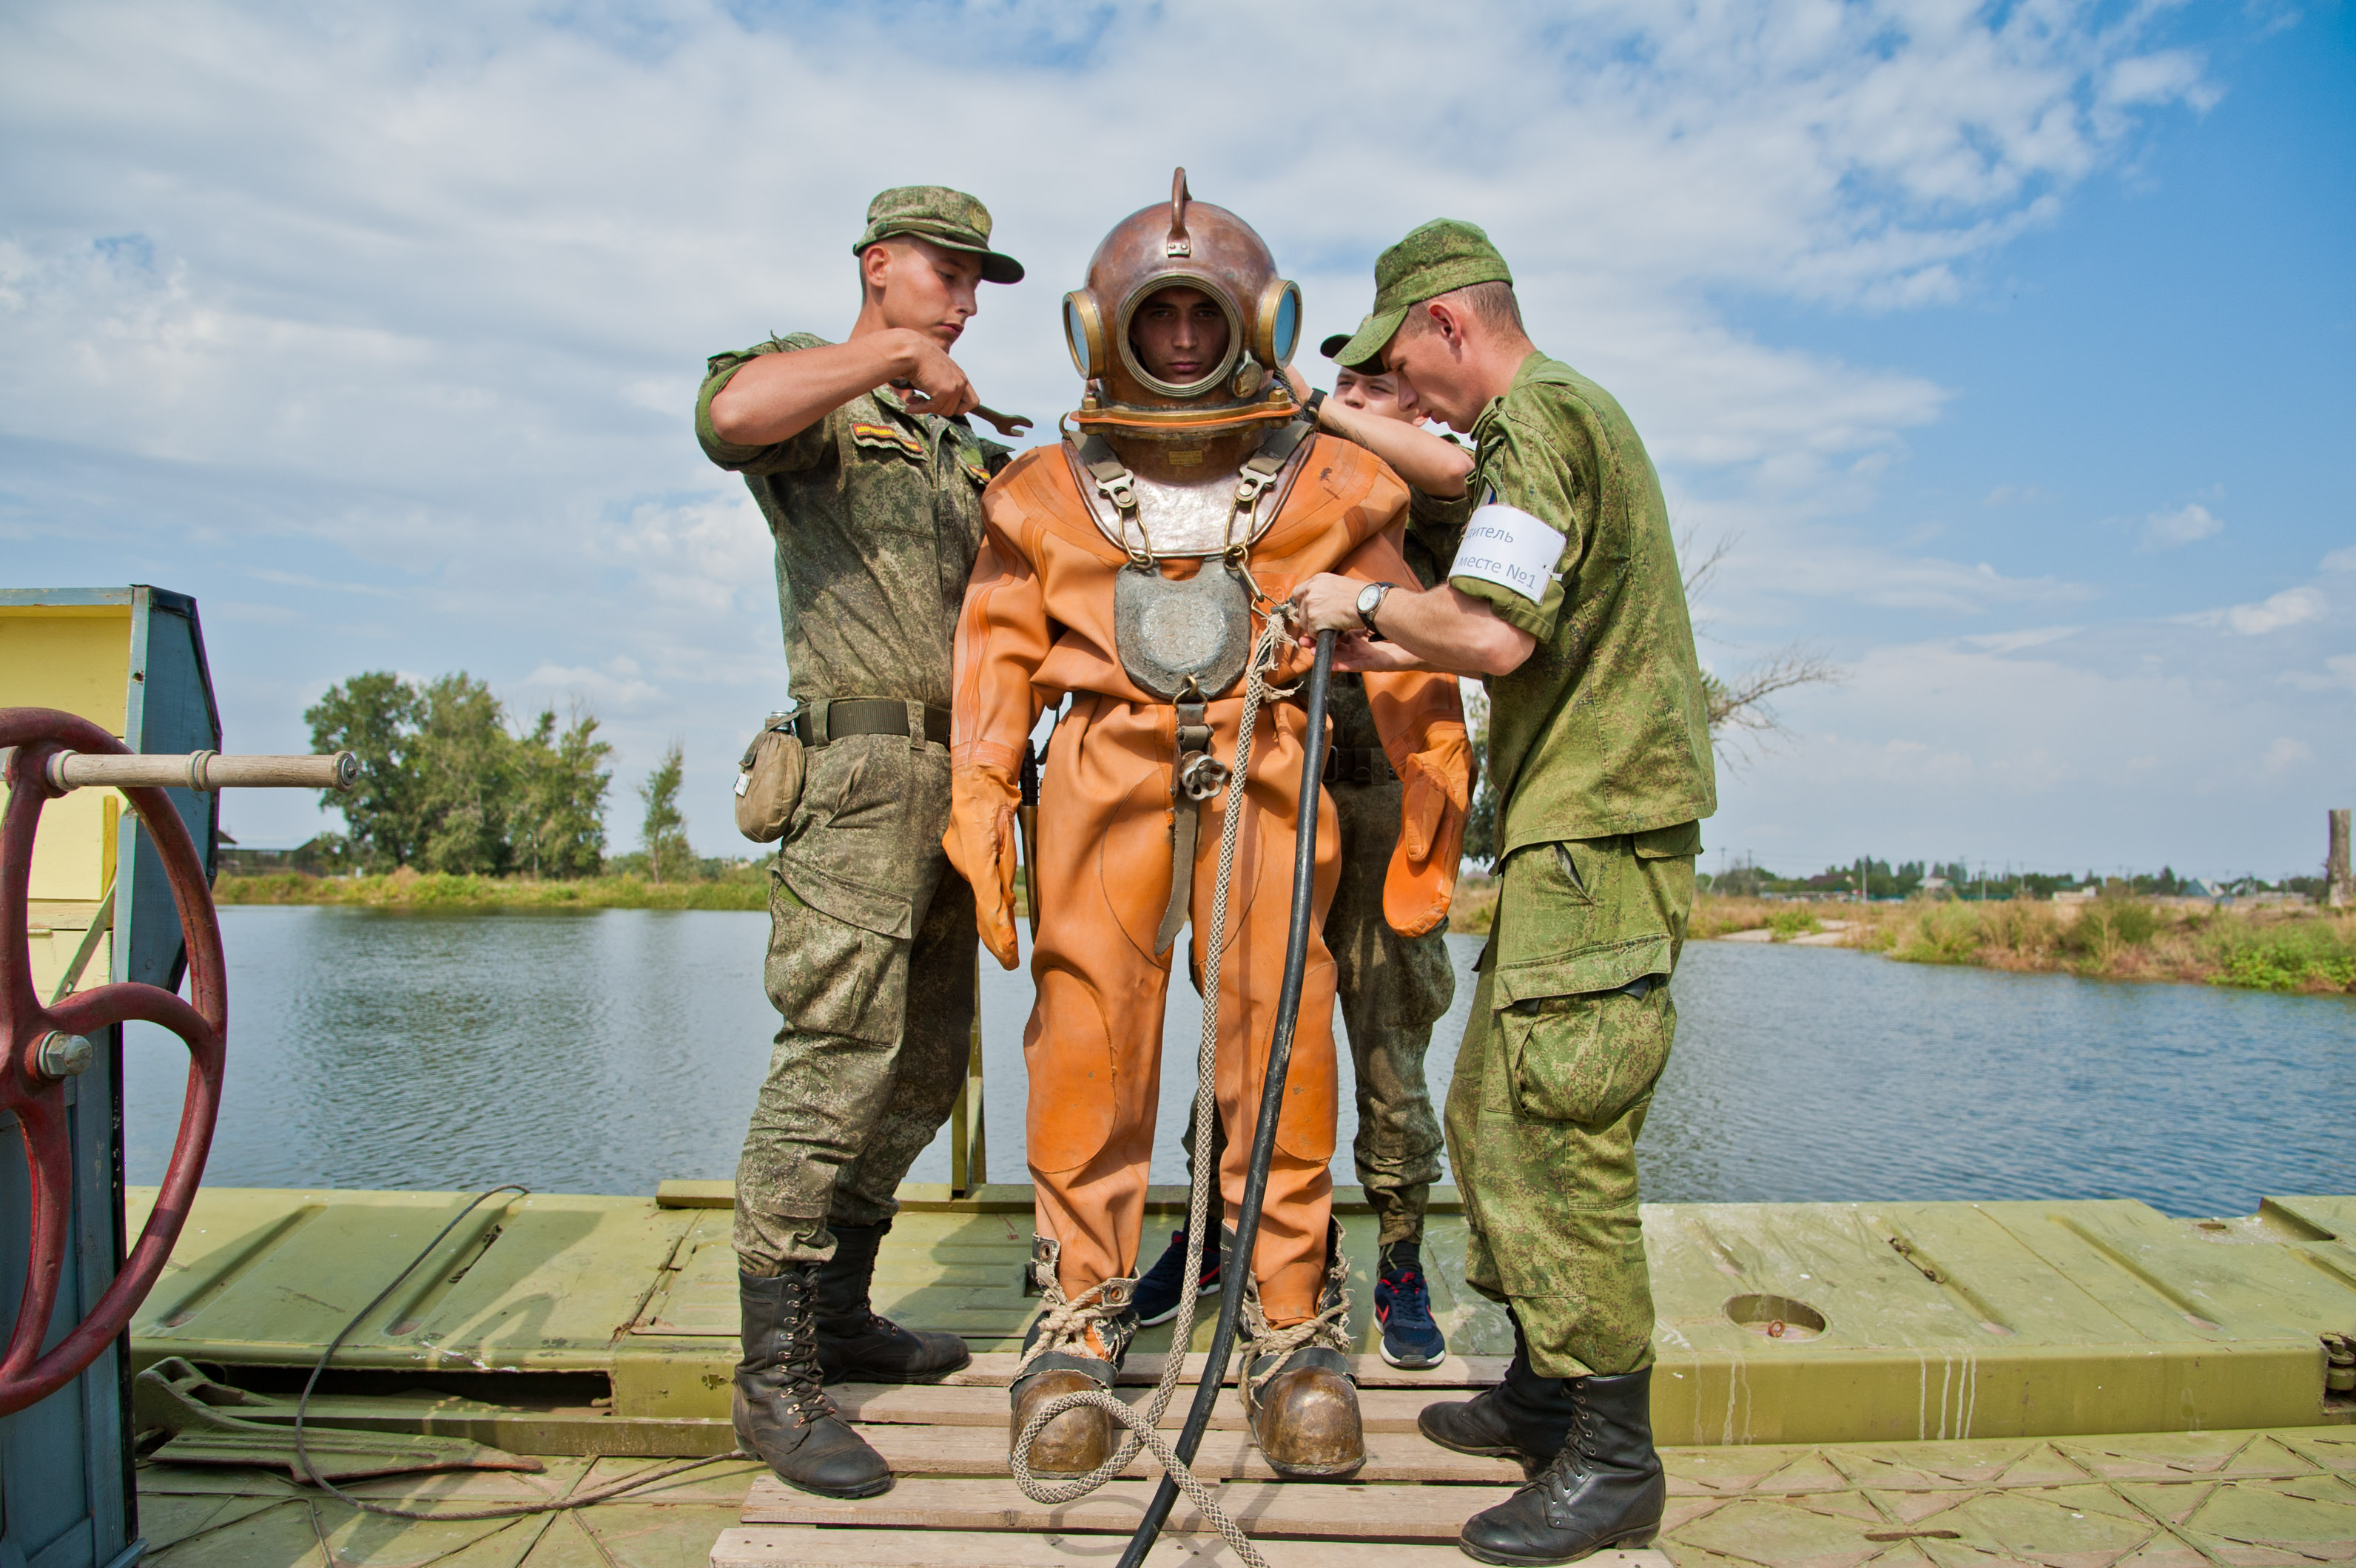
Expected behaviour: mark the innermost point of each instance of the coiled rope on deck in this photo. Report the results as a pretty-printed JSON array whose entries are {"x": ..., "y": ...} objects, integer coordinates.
[{"x": 1143, "y": 1424}]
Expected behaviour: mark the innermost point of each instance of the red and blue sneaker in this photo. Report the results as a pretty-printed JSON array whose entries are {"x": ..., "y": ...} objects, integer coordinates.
[
  {"x": 1156, "y": 1298},
  {"x": 1403, "y": 1306}
]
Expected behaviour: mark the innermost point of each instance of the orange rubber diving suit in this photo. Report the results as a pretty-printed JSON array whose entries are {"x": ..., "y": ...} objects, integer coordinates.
[{"x": 1092, "y": 550}]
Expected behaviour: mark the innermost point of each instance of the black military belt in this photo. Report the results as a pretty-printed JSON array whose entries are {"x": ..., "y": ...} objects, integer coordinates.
[
  {"x": 1359, "y": 765},
  {"x": 868, "y": 715}
]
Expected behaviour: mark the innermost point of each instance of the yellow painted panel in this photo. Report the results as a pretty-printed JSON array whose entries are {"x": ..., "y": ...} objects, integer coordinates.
[
  {"x": 75, "y": 850},
  {"x": 53, "y": 950},
  {"x": 75, "y": 658}
]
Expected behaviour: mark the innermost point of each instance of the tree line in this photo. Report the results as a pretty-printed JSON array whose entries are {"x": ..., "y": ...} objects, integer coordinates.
[{"x": 446, "y": 784}]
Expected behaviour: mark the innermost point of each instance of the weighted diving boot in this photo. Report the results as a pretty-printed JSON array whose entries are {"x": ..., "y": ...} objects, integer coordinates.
[
  {"x": 783, "y": 1416},
  {"x": 1524, "y": 1417},
  {"x": 856, "y": 1343},
  {"x": 1085, "y": 1343},
  {"x": 1605, "y": 1488},
  {"x": 1298, "y": 1396}
]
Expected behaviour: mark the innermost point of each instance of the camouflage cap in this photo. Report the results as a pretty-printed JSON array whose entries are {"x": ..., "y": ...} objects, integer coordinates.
[
  {"x": 1445, "y": 253},
  {"x": 946, "y": 218}
]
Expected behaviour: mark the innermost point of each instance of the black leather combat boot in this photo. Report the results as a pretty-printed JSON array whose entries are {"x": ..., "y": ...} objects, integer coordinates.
[
  {"x": 1605, "y": 1488},
  {"x": 855, "y": 1343},
  {"x": 783, "y": 1416},
  {"x": 1524, "y": 1417}
]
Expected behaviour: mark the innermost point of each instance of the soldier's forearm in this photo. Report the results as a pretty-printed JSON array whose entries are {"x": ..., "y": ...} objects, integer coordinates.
[
  {"x": 1431, "y": 464},
  {"x": 776, "y": 396},
  {"x": 1449, "y": 631}
]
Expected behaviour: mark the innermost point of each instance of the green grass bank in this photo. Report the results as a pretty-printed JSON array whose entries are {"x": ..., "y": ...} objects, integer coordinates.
[
  {"x": 2307, "y": 950},
  {"x": 2302, "y": 950},
  {"x": 407, "y": 889}
]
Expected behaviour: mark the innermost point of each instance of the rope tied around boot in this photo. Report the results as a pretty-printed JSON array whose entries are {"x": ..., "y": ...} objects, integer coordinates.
[
  {"x": 1064, "y": 1324},
  {"x": 1273, "y": 1346},
  {"x": 1142, "y": 1422}
]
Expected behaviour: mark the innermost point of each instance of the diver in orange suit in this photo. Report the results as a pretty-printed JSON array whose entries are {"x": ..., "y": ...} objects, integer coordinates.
[{"x": 1127, "y": 568}]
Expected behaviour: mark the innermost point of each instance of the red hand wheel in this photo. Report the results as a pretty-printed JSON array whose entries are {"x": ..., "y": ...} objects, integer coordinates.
[{"x": 34, "y": 1048}]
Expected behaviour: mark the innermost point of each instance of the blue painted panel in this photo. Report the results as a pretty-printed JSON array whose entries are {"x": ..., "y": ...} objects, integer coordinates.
[{"x": 66, "y": 1490}]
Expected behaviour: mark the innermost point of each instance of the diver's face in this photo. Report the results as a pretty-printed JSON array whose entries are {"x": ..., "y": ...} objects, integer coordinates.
[{"x": 1179, "y": 335}]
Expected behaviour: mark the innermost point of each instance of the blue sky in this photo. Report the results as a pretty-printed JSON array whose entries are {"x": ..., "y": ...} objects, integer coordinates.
[{"x": 2008, "y": 347}]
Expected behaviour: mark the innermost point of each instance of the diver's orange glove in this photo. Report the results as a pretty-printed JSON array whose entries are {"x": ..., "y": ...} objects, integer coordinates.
[
  {"x": 1438, "y": 782},
  {"x": 980, "y": 844}
]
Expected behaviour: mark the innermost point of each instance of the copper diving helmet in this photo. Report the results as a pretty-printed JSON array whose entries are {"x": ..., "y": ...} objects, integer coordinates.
[{"x": 1200, "y": 246}]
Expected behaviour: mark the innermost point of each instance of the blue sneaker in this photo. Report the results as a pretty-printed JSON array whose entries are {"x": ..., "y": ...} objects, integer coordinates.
[
  {"x": 1403, "y": 1306},
  {"x": 1156, "y": 1298}
]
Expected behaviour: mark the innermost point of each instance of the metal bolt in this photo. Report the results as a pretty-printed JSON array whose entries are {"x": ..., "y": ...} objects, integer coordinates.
[{"x": 60, "y": 1055}]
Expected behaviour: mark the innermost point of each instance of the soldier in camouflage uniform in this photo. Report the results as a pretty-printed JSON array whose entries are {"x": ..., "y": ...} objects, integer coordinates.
[
  {"x": 1566, "y": 595},
  {"x": 873, "y": 497},
  {"x": 1392, "y": 988}
]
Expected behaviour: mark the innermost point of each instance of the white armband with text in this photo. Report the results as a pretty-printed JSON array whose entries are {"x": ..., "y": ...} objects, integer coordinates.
[{"x": 1507, "y": 546}]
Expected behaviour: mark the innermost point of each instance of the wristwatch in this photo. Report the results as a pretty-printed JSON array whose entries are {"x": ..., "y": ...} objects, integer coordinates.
[
  {"x": 1313, "y": 405},
  {"x": 1370, "y": 599}
]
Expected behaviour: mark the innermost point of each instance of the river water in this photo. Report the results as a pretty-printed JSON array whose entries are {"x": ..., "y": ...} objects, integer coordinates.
[{"x": 606, "y": 1051}]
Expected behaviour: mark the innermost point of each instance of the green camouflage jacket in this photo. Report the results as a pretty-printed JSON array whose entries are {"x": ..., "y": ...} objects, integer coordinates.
[
  {"x": 877, "y": 516},
  {"x": 1604, "y": 729}
]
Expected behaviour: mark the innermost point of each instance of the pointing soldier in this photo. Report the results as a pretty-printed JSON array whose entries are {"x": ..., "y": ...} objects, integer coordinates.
[
  {"x": 1566, "y": 596},
  {"x": 874, "y": 499}
]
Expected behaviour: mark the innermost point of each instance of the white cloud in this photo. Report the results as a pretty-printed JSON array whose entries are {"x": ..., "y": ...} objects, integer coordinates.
[
  {"x": 2167, "y": 530},
  {"x": 2341, "y": 560},
  {"x": 2285, "y": 752},
  {"x": 2016, "y": 641},
  {"x": 405, "y": 305},
  {"x": 2289, "y": 608},
  {"x": 2069, "y": 752},
  {"x": 614, "y": 687}
]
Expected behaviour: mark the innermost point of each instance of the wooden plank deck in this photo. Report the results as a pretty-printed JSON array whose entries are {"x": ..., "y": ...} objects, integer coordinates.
[
  {"x": 946, "y": 1404},
  {"x": 1317, "y": 1510},
  {"x": 788, "y": 1547}
]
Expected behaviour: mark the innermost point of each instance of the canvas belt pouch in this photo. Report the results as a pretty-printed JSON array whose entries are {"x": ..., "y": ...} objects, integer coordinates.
[{"x": 769, "y": 781}]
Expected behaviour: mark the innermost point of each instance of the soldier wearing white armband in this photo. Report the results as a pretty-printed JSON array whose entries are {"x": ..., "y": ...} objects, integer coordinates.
[{"x": 1566, "y": 597}]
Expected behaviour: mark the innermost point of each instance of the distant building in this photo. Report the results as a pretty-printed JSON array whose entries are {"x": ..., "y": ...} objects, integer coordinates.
[{"x": 306, "y": 859}]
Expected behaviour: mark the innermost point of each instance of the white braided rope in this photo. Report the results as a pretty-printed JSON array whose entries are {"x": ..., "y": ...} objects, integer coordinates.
[
  {"x": 1142, "y": 1422},
  {"x": 1273, "y": 1347}
]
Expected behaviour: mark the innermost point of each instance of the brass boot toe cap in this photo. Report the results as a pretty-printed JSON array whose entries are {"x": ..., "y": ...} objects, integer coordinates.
[
  {"x": 1306, "y": 1421},
  {"x": 1076, "y": 1442}
]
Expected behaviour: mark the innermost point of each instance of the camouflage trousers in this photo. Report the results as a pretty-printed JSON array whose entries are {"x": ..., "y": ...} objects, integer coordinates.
[
  {"x": 1392, "y": 990},
  {"x": 870, "y": 966},
  {"x": 1570, "y": 1028}
]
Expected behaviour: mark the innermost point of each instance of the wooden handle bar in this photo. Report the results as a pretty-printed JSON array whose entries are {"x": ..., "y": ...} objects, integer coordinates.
[{"x": 204, "y": 770}]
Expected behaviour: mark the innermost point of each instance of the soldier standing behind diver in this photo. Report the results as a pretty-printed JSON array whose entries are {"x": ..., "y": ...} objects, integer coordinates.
[
  {"x": 1123, "y": 567},
  {"x": 1392, "y": 988},
  {"x": 874, "y": 499},
  {"x": 1566, "y": 596}
]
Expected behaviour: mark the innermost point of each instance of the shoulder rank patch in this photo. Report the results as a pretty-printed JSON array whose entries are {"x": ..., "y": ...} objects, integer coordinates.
[
  {"x": 886, "y": 435},
  {"x": 975, "y": 469}
]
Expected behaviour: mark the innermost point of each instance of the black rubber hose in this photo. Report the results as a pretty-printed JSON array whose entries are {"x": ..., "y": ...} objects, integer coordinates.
[{"x": 1272, "y": 1102}]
